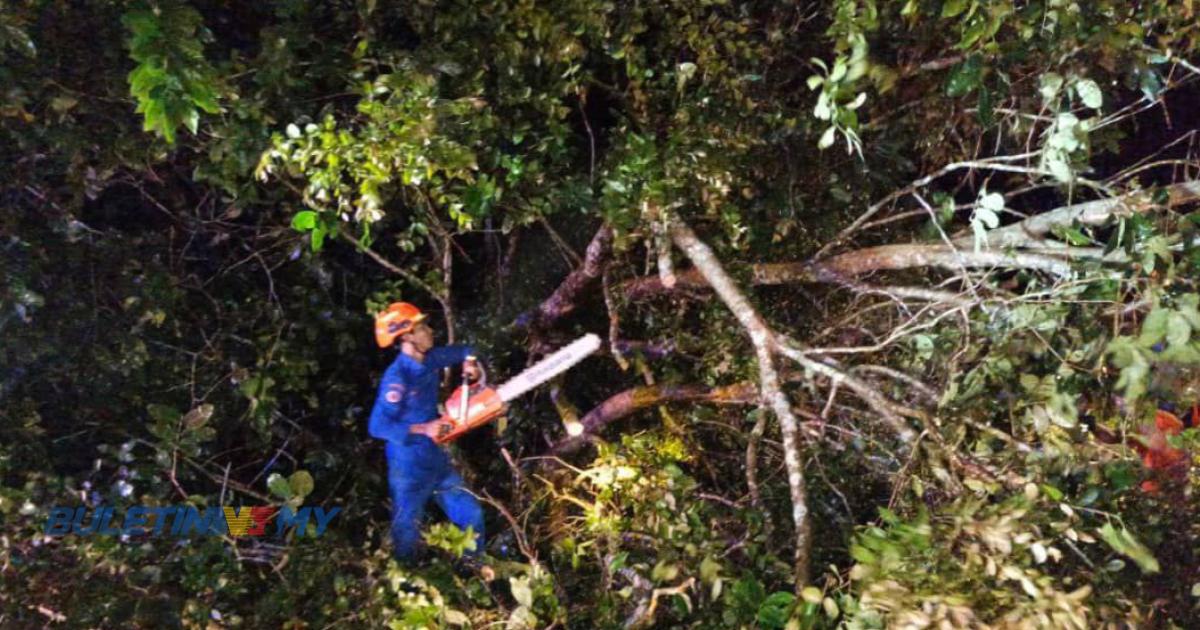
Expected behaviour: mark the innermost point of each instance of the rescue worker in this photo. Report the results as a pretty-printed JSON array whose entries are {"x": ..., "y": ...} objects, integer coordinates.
[{"x": 405, "y": 416}]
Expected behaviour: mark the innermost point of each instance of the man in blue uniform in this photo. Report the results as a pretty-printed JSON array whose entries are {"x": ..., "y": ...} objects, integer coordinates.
[{"x": 404, "y": 415}]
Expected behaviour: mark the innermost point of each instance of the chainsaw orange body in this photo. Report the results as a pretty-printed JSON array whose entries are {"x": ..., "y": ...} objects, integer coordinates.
[
  {"x": 474, "y": 405},
  {"x": 483, "y": 405}
]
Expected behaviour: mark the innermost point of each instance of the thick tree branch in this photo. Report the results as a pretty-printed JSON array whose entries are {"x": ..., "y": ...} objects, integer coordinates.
[
  {"x": 562, "y": 301},
  {"x": 633, "y": 400},
  {"x": 840, "y": 268},
  {"x": 895, "y": 257},
  {"x": 1029, "y": 232},
  {"x": 1037, "y": 227}
]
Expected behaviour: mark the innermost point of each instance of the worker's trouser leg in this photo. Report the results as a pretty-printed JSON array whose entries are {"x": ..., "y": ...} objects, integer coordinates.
[{"x": 409, "y": 496}]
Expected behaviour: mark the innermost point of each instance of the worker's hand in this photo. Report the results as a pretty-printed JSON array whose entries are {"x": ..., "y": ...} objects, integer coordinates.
[{"x": 432, "y": 430}]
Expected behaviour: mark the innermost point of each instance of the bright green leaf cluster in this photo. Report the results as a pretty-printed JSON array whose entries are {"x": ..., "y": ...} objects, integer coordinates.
[{"x": 172, "y": 82}]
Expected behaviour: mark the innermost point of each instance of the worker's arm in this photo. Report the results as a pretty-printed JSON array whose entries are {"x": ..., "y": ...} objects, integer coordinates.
[
  {"x": 385, "y": 422},
  {"x": 447, "y": 356}
]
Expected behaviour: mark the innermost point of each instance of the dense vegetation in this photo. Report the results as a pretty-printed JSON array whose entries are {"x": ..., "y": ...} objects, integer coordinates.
[{"x": 898, "y": 299}]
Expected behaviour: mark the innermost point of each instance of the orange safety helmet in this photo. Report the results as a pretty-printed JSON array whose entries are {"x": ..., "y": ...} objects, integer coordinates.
[{"x": 399, "y": 318}]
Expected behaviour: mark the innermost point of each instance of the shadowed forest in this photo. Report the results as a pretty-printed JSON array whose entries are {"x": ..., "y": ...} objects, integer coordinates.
[{"x": 897, "y": 301}]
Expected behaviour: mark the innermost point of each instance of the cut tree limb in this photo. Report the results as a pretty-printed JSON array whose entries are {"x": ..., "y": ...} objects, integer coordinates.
[{"x": 895, "y": 257}]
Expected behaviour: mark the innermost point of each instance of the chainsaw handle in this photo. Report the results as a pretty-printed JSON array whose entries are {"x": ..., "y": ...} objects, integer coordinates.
[{"x": 474, "y": 361}]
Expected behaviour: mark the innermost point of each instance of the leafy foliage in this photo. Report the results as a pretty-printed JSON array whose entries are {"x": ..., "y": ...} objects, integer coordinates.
[
  {"x": 185, "y": 324},
  {"x": 172, "y": 82}
]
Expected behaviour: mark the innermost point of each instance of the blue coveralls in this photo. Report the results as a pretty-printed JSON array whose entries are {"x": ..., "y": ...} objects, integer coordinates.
[{"x": 417, "y": 467}]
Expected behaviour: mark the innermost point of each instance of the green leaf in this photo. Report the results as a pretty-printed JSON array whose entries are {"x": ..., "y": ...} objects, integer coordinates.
[
  {"x": 664, "y": 572},
  {"x": 1121, "y": 475},
  {"x": 1179, "y": 331},
  {"x": 775, "y": 610},
  {"x": 839, "y": 70},
  {"x": 1151, "y": 84},
  {"x": 1089, "y": 93},
  {"x": 456, "y": 617},
  {"x": 983, "y": 219},
  {"x": 198, "y": 417},
  {"x": 1058, "y": 166},
  {"x": 822, "y": 109},
  {"x": 986, "y": 107},
  {"x": 191, "y": 120},
  {"x": 1156, "y": 248},
  {"x": 522, "y": 618},
  {"x": 993, "y": 202},
  {"x": 862, "y": 554},
  {"x": 1154, "y": 327},
  {"x": 279, "y": 486},
  {"x": 18, "y": 40},
  {"x": 304, "y": 220},
  {"x": 1071, "y": 235},
  {"x": 685, "y": 71},
  {"x": 1049, "y": 86},
  {"x": 1052, "y": 492},
  {"x": 63, "y": 104},
  {"x": 954, "y": 7},
  {"x": 301, "y": 483},
  {"x": 450, "y": 538},
  {"x": 827, "y": 138},
  {"x": 162, "y": 413},
  {"x": 1135, "y": 369},
  {"x": 521, "y": 591},
  {"x": 710, "y": 570},
  {"x": 1124, "y": 543},
  {"x": 965, "y": 77}
]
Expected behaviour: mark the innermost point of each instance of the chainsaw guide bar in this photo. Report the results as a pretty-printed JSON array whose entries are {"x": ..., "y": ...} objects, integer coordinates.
[{"x": 482, "y": 404}]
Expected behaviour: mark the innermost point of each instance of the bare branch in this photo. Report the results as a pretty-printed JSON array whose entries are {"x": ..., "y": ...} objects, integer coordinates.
[
  {"x": 412, "y": 278},
  {"x": 762, "y": 337},
  {"x": 889, "y": 411}
]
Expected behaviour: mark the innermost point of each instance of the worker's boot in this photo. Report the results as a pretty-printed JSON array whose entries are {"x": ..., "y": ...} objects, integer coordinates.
[{"x": 472, "y": 566}]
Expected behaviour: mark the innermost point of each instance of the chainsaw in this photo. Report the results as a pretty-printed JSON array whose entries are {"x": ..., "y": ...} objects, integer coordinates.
[{"x": 473, "y": 405}]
